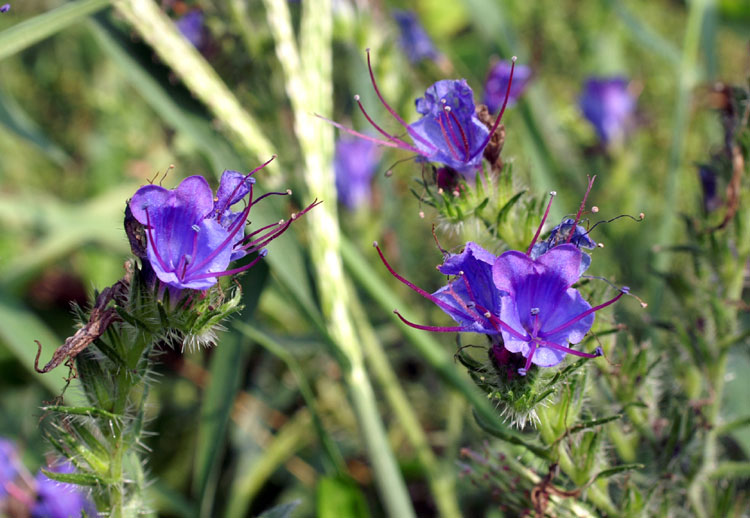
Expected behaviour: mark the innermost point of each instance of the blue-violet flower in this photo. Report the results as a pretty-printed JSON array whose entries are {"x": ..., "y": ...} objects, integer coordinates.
[
  {"x": 529, "y": 301},
  {"x": 192, "y": 236},
  {"x": 414, "y": 39},
  {"x": 449, "y": 131},
  {"x": 497, "y": 81},
  {"x": 4, "y": 8},
  {"x": 609, "y": 106},
  {"x": 355, "y": 164}
]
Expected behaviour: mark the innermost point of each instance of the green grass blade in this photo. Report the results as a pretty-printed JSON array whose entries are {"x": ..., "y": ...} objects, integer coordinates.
[{"x": 42, "y": 26}]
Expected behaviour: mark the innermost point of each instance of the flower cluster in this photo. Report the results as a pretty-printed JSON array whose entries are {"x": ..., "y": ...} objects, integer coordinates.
[
  {"x": 192, "y": 236},
  {"x": 449, "y": 131},
  {"x": 525, "y": 298}
]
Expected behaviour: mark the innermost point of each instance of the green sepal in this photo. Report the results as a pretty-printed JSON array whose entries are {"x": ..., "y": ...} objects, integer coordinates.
[
  {"x": 96, "y": 385},
  {"x": 81, "y": 479}
]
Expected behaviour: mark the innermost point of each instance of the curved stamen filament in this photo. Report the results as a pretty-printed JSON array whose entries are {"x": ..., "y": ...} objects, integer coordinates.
[
  {"x": 568, "y": 350},
  {"x": 247, "y": 176},
  {"x": 436, "y": 329},
  {"x": 499, "y": 115},
  {"x": 397, "y": 144},
  {"x": 581, "y": 209},
  {"x": 464, "y": 139},
  {"x": 526, "y": 368},
  {"x": 494, "y": 320},
  {"x": 224, "y": 273},
  {"x": 544, "y": 218},
  {"x": 446, "y": 138},
  {"x": 395, "y": 115},
  {"x": 150, "y": 232},
  {"x": 387, "y": 135},
  {"x": 238, "y": 224},
  {"x": 586, "y": 313}
]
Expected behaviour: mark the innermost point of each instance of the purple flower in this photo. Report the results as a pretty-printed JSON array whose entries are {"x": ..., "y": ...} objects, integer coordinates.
[
  {"x": 4, "y": 8},
  {"x": 58, "y": 500},
  {"x": 496, "y": 85},
  {"x": 449, "y": 131},
  {"x": 8, "y": 465},
  {"x": 527, "y": 300},
  {"x": 608, "y": 105},
  {"x": 191, "y": 26},
  {"x": 355, "y": 164},
  {"x": 414, "y": 39},
  {"x": 192, "y": 236}
]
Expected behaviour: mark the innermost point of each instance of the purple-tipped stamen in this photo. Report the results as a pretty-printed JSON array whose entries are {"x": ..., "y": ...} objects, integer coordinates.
[
  {"x": 499, "y": 115},
  {"x": 552, "y": 195},
  {"x": 446, "y": 138},
  {"x": 436, "y": 329},
  {"x": 553, "y": 345},
  {"x": 233, "y": 271},
  {"x": 403, "y": 144},
  {"x": 464, "y": 139},
  {"x": 150, "y": 233},
  {"x": 581, "y": 208},
  {"x": 395, "y": 115},
  {"x": 586, "y": 313}
]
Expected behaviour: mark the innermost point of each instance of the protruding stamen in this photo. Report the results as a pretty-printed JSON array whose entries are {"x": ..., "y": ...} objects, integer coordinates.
[
  {"x": 597, "y": 352},
  {"x": 552, "y": 195},
  {"x": 581, "y": 209},
  {"x": 526, "y": 368},
  {"x": 586, "y": 313},
  {"x": 380, "y": 130},
  {"x": 412, "y": 133},
  {"x": 499, "y": 115},
  {"x": 446, "y": 138},
  {"x": 464, "y": 139},
  {"x": 436, "y": 329}
]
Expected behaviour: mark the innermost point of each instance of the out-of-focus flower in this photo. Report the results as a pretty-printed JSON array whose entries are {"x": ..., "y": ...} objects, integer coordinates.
[
  {"x": 192, "y": 236},
  {"x": 4, "y": 8},
  {"x": 355, "y": 164},
  {"x": 414, "y": 39},
  {"x": 8, "y": 465},
  {"x": 449, "y": 132},
  {"x": 609, "y": 106},
  {"x": 191, "y": 26},
  {"x": 496, "y": 85},
  {"x": 58, "y": 500},
  {"x": 709, "y": 186}
]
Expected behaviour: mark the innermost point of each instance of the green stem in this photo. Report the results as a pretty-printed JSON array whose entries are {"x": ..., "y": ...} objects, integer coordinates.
[{"x": 308, "y": 79}]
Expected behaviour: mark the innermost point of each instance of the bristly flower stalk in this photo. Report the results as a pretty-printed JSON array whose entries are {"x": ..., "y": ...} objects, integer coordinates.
[{"x": 185, "y": 240}]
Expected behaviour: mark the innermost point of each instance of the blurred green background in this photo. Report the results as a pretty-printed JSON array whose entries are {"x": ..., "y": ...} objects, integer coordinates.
[{"x": 89, "y": 112}]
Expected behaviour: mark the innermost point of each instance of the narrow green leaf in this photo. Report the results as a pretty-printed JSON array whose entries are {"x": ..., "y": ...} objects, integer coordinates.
[
  {"x": 732, "y": 469},
  {"x": 81, "y": 479},
  {"x": 36, "y": 29}
]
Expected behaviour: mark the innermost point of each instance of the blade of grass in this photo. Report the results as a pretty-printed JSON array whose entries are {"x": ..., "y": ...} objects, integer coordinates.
[
  {"x": 198, "y": 76},
  {"x": 308, "y": 80},
  {"x": 227, "y": 365},
  {"x": 252, "y": 475},
  {"x": 34, "y": 30},
  {"x": 333, "y": 455}
]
